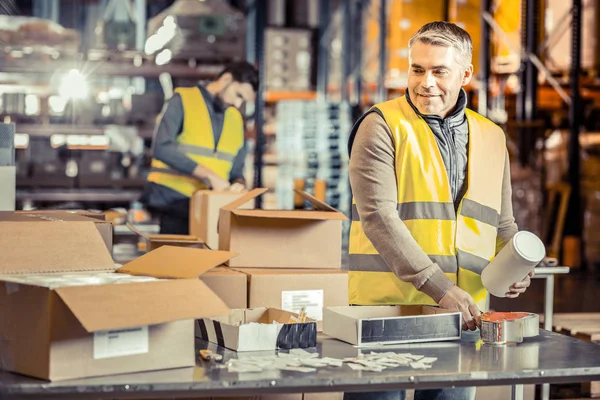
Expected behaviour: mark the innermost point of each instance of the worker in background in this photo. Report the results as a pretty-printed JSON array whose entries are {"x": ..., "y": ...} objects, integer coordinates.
[
  {"x": 199, "y": 144},
  {"x": 432, "y": 193}
]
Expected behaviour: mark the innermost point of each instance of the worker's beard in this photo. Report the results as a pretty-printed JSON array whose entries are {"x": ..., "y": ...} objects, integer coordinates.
[{"x": 219, "y": 102}]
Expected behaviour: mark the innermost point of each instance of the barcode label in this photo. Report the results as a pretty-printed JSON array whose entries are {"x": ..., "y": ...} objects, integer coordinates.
[
  {"x": 311, "y": 300},
  {"x": 119, "y": 343}
]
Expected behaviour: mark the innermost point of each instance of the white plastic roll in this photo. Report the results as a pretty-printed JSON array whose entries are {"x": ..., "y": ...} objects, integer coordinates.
[{"x": 513, "y": 263}]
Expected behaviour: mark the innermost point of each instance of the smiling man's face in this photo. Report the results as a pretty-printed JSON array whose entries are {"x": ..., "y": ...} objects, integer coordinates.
[{"x": 435, "y": 78}]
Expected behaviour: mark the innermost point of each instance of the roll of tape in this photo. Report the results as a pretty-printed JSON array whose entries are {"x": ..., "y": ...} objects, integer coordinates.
[{"x": 508, "y": 327}]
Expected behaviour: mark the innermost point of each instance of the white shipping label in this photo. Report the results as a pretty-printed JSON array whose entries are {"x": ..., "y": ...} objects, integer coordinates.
[
  {"x": 311, "y": 300},
  {"x": 119, "y": 343}
]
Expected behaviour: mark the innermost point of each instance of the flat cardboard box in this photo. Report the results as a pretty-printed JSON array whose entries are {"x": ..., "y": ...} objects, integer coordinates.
[
  {"x": 377, "y": 325},
  {"x": 154, "y": 241},
  {"x": 282, "y": 238},
  {"x": 230, "y": 285},
  {"x": 66, "y": 314},
  {"x": 204, "y": 214},
  {"x": 292, "y": 289},
  {"x": 254, "y": 329},
  {"x": 105, "y": 228}
]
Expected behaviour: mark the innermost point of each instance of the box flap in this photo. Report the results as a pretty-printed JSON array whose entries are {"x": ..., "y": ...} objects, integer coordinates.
[
  {"x": 172, "y": 238},
  {"x": 176, "y": 262},
  {"x": 316, "y": 203},
  {"x": 28, "y": 247},
  {"x": 163, "y": 237},
  {"x": 254, "y": 193},
  {"x": 290, "y": 214},
  {"x": 322, "y": 211},
  {"x": 136, "y": 231},
  {"x": 105, "y": 307}
]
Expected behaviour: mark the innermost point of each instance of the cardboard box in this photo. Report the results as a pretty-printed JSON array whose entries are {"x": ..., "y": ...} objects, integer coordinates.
[
  {"x": 104, "y": 228},
  {"x": 375, "y": 325},
  {"x": 154, "y": 241},
  {"x": 66, "y": 314},
  {"x": 204, "y": 214},
  {"x": 292, "y": 289},
  {"x": 85, "y": 213},
  {"x": 230, "y": 285},
  {"x": 254, "y": 329},
  {"x": 282, "y": 238}
]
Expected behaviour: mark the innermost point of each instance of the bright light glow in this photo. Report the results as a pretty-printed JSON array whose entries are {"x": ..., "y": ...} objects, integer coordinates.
[
  {"x": 21, "y": 140},
  {"x": 162, "y": 36},
  {"x": 32, "y": 104},
  {"x": 57, "y": 104},
  {"x": 80, "y": 141},
  {"x": 103, "y": 97},
  {"x": 115, "y": 93},
  {"x": 163, "y": 57},
  {"x": 74, "y": 86},
  {"x": 57, "y": 140}
]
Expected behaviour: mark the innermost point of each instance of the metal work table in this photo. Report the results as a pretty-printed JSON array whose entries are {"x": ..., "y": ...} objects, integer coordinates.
[{"x": 549, "y": 358}]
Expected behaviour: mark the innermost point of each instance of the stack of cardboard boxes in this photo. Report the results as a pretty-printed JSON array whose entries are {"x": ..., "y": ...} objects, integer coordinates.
[
  {"x": 291, "y": 258},
  {"x": 284, "y": 259}
]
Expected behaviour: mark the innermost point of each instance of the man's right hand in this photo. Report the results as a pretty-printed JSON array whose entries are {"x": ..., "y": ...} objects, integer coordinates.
[
  {"x": 459, "y": 300},
  {"x": 218, "y": 184}
]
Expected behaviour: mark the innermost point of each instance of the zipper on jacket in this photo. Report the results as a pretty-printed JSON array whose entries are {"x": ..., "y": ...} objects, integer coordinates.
[{"x": 452, "y": 154}]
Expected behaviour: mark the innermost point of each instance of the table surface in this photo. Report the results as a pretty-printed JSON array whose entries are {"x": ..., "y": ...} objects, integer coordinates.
[
  {"x": 539, "y": 271},
  {"x": 548, "y": 358}
]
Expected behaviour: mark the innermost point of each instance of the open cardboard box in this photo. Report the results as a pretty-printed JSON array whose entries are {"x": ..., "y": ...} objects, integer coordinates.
[
  {"x": 258, "y": 329},
  {"x": 204, "y": 213},
  {"x": 377, "y": 325},
  {"x": 67, "y": 314},
  {"x": 154, "y": 241},
  {"x": 282, "y": 238},
  {"x": 105, "y": 228}
]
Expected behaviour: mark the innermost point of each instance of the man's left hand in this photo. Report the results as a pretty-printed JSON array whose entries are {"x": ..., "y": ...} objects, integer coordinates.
[{"x": 520, "y": 287}]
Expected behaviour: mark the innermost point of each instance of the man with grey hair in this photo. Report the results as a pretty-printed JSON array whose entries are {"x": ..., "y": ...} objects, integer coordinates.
[{"x": 432, "y": 193}]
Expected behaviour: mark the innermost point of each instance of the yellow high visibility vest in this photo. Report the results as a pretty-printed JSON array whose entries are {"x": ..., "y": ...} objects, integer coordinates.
[
  {"x": 461, "y": 242},
  {"x": 198, "y": 143}
]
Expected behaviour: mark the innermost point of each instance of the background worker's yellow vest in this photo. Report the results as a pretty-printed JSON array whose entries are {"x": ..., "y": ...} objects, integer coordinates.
[
  {"x": 461, "y": 242},
  {"x": 198, "y": 143}
]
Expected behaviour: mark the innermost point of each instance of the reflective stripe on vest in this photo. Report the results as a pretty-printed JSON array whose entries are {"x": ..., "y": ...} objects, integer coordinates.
[
  {"x": 196, "y": 141},
  {"x": 444, "y": 211},
  {"x": 461, "y": 242},
  {"x": 206, "y": 152}
]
